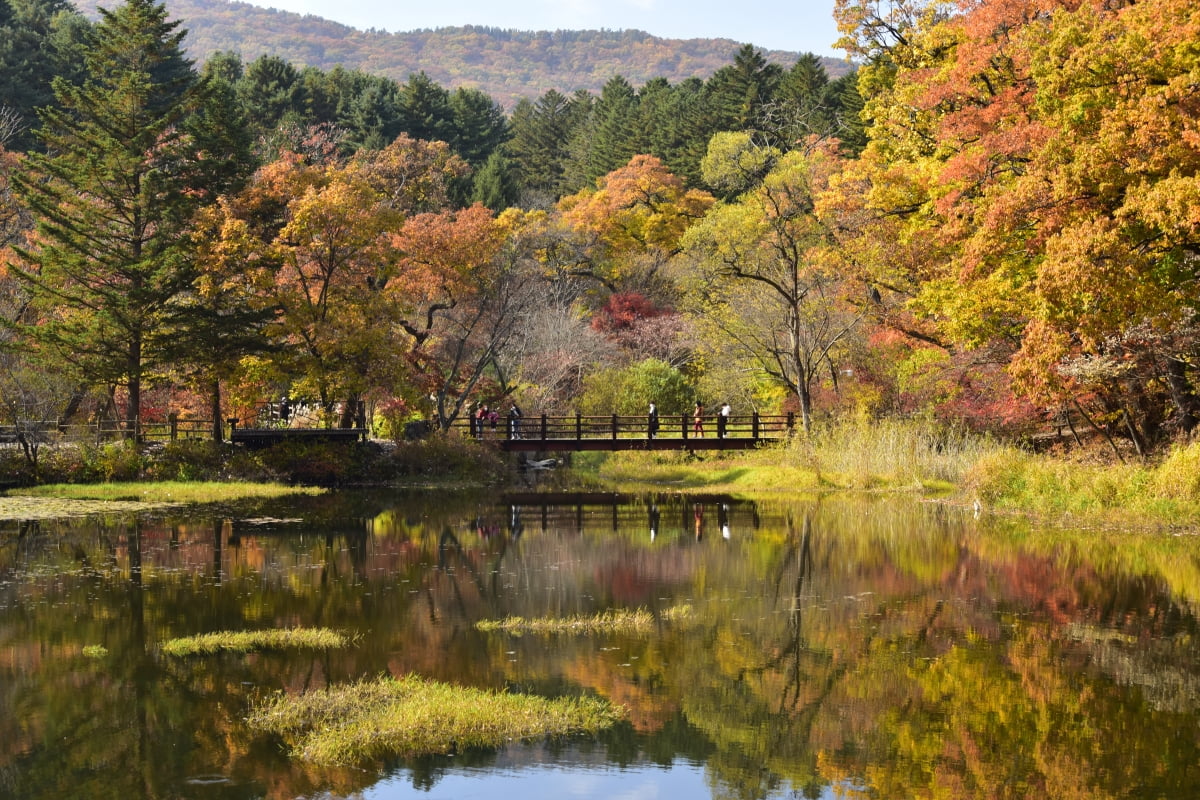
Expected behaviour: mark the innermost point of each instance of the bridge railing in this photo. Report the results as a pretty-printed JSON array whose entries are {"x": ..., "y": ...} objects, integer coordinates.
[
  {"x": 581, "y": 427},
  {"x": 52, "y": 431}
]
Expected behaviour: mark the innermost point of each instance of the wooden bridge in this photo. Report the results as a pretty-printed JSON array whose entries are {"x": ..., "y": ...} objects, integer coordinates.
[{"x": 615, "y": 432}]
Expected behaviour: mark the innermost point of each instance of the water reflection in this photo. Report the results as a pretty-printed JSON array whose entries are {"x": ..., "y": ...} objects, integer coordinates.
[{"x": 869, "y": 648}]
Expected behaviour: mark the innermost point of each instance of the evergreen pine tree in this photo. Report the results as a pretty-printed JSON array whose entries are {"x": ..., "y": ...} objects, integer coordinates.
[
  {"x": 539, "y": 144},
  {"x": 615, "y": 141},
  {"x": 111, "y": 257},
  {"x": 479, "y": 125},
  {"x": 494, "y": 185},
  {"x": 737, "y": 93},
  {"x": 271, "y": 93},
  {"x": 425, "y": 110}
]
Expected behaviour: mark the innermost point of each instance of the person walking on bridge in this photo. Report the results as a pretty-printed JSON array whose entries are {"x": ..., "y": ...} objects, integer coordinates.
[
  {"x": 723, "y": 420},
  {"x": 698, "y": 420}
]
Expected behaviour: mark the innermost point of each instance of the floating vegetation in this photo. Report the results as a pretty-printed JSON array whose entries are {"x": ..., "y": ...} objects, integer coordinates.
[
  {"x": 95, "y": 651},
  {"x": 60, "y": 501},
  {"x": 249, "y": 641},
  {"x": 413, "y": 716},
  {"x": 27, "y": 508},
  {"x": 612, "y": 621}
]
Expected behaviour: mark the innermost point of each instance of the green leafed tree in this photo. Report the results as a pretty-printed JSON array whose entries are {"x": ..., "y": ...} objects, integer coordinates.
[
  {"x": 763, "y": 288},
  {"x": 110, "y": 258}
]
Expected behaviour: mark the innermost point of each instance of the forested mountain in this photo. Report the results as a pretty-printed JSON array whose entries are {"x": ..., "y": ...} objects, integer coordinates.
[{"x": 507, "y": 65}]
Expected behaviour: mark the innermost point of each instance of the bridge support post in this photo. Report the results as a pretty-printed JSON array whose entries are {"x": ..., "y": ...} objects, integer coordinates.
[
  {"x": 754, "y": 425},
  {"x": 578, "y": 426},
  {"x": 544, "y": 427},
  {"x": 614, "y": 427}
]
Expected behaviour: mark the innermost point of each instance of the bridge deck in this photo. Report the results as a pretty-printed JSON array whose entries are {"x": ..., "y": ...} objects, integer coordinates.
[
  {"x": 615, "y": 432},
  {"x": 560, "y": 445}
]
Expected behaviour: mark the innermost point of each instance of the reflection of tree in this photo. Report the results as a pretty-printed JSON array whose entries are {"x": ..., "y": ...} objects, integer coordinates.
[{"x": 885, "y": 645}]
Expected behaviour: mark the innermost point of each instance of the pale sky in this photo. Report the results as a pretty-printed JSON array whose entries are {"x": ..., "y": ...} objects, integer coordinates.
[{"x": 804, "y": 26}]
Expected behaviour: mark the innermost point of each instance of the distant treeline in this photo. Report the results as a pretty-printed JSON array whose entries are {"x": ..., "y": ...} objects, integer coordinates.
[{"x": 547, "y": 147}]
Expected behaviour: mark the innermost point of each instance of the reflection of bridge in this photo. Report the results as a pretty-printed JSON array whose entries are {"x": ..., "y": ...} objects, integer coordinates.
[
  {"x": 615, "y": 432},
  {"x": 672, "y": 516}
]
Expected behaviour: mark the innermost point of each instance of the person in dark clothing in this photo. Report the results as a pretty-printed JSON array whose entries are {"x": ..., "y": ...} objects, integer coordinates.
[
  {"x": 481, "y": 416},
  {"x": 514, "y": 422},
  {"x": 652, "y": 422},
  {"x": 722, "y": 420}
]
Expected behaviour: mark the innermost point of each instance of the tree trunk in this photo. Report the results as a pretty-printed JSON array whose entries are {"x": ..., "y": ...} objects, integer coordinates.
[
  {"x": 805, "y": 407},
  {"x": 214, "y": 405},
  {"x": 72, "y": 407},
  {"x": 1182, "y": 395},
  {"x": 349, "y": 412},
  {"x": 133, "y": 409}
]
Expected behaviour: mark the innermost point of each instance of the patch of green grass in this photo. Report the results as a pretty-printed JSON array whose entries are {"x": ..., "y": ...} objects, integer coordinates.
[
  {"x": 164, "y": 492},
  {"x": 248, "y": 641},
  {"x": 412, "y": 716},
  {"x": 612, "y": 621}
]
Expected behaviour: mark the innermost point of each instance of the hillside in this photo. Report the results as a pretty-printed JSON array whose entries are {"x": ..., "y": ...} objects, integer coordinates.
[{"x": 507, "y": 65}]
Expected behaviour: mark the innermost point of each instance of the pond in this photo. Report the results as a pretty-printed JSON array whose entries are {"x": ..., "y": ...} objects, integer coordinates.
[{"x": 881, "y": 647}]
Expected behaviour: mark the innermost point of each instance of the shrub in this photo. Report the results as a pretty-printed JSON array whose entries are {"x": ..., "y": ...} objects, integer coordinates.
[
  {"x": 313, "y": 463},
  {"x": 112, "y": 461},
  {"x": 188, "y": 460},
  {"x": 446, "y": 455}
]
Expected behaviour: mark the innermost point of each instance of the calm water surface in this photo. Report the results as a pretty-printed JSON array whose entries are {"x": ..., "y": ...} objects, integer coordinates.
[{"x": 885, "y": 648}]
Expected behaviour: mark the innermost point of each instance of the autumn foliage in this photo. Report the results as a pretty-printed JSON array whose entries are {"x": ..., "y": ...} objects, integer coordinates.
[{"x": 1010, "y": 232}]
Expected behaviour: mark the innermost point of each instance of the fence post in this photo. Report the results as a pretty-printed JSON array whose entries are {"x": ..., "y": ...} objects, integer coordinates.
[
  {"x": 683, "y": 424},
  {"x": 232, "y": 426},
  {"x": 578, "y": 426},
  {"x": 173, "y": 421},
  {"x": 754, "y": 424},
  {"x": 544, "y": 427},
  {"x": 614, "y": 427},
  {"x": 791, "y": 423}
]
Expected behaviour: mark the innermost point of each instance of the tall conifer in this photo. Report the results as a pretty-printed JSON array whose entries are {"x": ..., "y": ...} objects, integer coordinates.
[{"x": 110, "y": 261}]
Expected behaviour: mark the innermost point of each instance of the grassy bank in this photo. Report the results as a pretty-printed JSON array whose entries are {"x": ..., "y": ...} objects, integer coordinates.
[
  {"x": 879, "y": 455},
  {"x": 903, "y": 456},
  {"x": 1164, "y": 492},
  {"x": 164, "y": 491}
]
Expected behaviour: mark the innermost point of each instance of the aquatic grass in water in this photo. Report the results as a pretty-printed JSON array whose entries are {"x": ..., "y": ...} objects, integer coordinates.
[
  {"x": 164, "y": 491},
  {"x": 249, "y": 641},
  {"x": 30, "y": 508},
  {"x": 611, "y": 621},
  {"x": 412, "y": 716}
]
